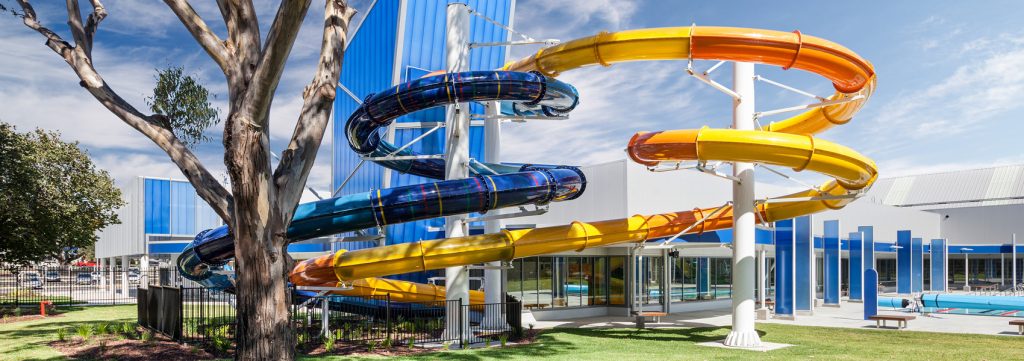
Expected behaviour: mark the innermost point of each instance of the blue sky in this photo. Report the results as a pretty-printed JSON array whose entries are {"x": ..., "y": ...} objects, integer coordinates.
[{"x": 949, "y": 75}]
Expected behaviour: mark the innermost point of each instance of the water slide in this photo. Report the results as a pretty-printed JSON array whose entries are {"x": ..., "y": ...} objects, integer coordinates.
[
  {"x": 789, "y": 143},
  {"x": 493, "y": 186}
]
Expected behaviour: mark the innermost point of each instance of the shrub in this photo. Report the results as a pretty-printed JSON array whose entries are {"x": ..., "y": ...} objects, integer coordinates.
[
  {"x": 299, "y": 338},
  {"x": 371, "y": 345},
  {"x": 16, "y": 311},
  {"x": 329, "y": 343},
  {"x": 103, "y": 328},
  {"x": 487, "y": 342},
  {"x": 388, "y": 343},
  {"x": 147, "y": 336},
  {"x": 412, "y": 343},
  {"x": 128, "y": 330},
  {"x": 221, "y": 343},
  {"x": 62, "y": 334},
  {"x": 446, "y": 345},
  {"x": 503, "y": 339},
  {"x": 84, "y": 331},
  {"x": 339, "y": 335}
]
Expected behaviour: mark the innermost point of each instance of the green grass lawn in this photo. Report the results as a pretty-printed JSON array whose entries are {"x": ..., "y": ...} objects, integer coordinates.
[
  {"x": 816, "y": 343},
  {"x": 28, "y": 340}
]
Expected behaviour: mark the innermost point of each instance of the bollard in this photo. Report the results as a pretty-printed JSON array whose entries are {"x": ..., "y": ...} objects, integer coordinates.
[{"x": 43, "y": 305}]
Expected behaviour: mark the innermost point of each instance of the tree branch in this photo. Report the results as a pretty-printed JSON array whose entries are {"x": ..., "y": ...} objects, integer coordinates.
[
  {"x": 84, "y": 34},
  {"x": 206, "y": 184},
  {"x": 271, "y": 64},
  {"x": 201, "y": 32},
  {"x": 297, "y": 160}
]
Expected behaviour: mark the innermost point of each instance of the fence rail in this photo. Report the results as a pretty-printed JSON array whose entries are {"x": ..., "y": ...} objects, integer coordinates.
[
  {"x": 208, "y": 318},
  {"x": 64, "y": 286}
]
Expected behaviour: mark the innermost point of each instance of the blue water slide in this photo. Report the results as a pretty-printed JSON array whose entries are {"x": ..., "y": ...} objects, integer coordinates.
[
  {"x": 947, "y": 300},
  {"x": 491, "y": 186}
]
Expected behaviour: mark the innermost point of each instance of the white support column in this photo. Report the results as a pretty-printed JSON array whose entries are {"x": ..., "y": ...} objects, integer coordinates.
[
  {"x": 457, "y": 163},
  {"x": 102, "y": 272},
  {"x": 144, "y": 270},
  {"x": 493, "y": 280},
  {"x": 1002, "y": 269},
  {"x": 124, "y": 276},
  {"x": 743, "y": 333},
  {"x": 967, "y": 272},
  {"x": 762, "y": 295},
  {"x": 111, "y": 275},
  {"x": 1013, "y": 261}
]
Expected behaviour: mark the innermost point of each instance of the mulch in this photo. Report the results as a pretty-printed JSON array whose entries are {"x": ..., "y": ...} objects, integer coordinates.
[
  {"x": 14, "y": 319},
  {"x": 108, "y": 347}
]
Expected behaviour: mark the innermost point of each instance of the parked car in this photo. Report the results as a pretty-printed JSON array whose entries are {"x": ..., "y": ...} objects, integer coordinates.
[
  {"x": 133, "y": 277},
  {"x": 84, "y": 279},
  {"x": 96, "y": 275},
  {"x": 31, "y": 280},
  {"x": 52, "y": 276}
]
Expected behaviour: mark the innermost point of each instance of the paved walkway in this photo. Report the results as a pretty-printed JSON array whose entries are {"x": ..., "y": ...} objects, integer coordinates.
[{"x": 850, "y": 315}]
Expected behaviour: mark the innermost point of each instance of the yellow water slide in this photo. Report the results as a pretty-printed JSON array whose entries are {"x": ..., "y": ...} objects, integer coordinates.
[{"x": 788, "y": 143}]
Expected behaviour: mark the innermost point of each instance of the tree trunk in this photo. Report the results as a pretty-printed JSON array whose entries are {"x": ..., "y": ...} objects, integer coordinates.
[{"x": 263, "y": 304}]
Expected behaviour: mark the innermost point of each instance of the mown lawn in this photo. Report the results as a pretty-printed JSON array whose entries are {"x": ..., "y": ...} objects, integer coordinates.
[
  {"x": 28, "y": 340},
  {"x": 817, "y": 343}
]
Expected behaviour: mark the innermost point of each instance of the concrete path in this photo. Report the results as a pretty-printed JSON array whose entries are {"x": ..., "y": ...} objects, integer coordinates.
[{"x": 850, "y": 315}]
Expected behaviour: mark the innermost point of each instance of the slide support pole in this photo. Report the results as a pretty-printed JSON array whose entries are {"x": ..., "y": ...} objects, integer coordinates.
[
  {"x": 493, "y": 279},
  {"x": 457, "y": 167},
  {"x": 743, "y": 333}
]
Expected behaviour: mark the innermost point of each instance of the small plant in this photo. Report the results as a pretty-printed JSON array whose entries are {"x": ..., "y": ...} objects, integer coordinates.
[
  {"x": 193, "y": 350},
  {"x": 103, "y": 328},
  {"x": 301, "y": 338},
  {"x": 16, "y": 311},
  {"x": 147, "y": 336},
  {"x": 339, "y": 335},
  {"x": 387, "y": 344},
  {"x": 503, "y": 339},
  {"x": 465, "y": 345},
  {"x": 221, "y": 343},
  {"x": 370, "y": 346},
  {"x": 531, "y": 327},
  {"x": 101, "y": 348},
  {"x": 128, "y": 330},
  {"x": 487, "y": 343},
  {"x": 329, "y": 343},
  {"x": 84, "y": 331},
  {"x": 62, "y": 334},
  {"x": 412, "y": 343},
  {"x": 446, "y": 345}
]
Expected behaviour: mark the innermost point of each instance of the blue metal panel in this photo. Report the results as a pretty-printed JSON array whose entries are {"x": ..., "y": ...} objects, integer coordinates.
[
  {"x": 870, "y": 293},
  {"x": 308, "y": 247},
  {"x": 903, "y": 263},
  {"x": 206, "y": 218},
  {"x": 157, "y": 210},
  {"x": 182, "y": 208},
  {"x": 868, "y": 237},
  {"x": 784, "y": 256},
  {"x": 804, "y": 255},
  {"x": 761, "y": 236},
  {"x": 832, "y": 262},
  {"x": 856, "y": 265},
  {"x": 369, "y": 61},
  {"x": 916, "y": 264},
  {"x": 166, "y": 248}
]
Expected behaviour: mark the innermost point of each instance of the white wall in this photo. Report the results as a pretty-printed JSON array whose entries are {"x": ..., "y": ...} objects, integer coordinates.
[
  {"x": 603, "y": 199},
  {"x": 982, "y": 225},
  {"x": 886, "y": 220},
  {"x": 125, "y": 239}
]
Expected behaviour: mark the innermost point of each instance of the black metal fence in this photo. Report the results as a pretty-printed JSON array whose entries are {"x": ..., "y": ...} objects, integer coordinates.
[
  {"x": 67, "y": 285},
  {"x": 159, "y": 308},
  {"x": 208, "y": 318}
]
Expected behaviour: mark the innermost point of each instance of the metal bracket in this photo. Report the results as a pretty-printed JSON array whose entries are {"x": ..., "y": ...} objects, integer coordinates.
[
  {"x": 713, "y": 170},
  {"x": 504, "y": 265},
  {"x": 845, "y": 99},
  {"x": 516, "y": 118},
  {"x": 360, "y": 238},
  {"x": 703, "y": 77},
  {"x": 695, "y": 224},
  {"x": 523, "y": 212}
]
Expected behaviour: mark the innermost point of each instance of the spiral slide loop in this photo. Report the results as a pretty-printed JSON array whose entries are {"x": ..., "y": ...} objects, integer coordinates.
[{"x": 788, "y": 143}]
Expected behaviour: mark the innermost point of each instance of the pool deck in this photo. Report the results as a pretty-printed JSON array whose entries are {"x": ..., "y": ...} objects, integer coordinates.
[{"x": 849, "y": 315}]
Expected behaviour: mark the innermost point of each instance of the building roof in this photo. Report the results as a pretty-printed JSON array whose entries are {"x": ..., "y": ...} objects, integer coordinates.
[{"x": 956, "y": 189}]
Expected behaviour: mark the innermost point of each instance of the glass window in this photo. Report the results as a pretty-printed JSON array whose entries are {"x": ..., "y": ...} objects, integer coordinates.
[
  {"x": 531, "y": 295},
  {"x": 617, "y": 277},
  {"x": 545, "y": 293},
  {"x": 722, "y": 278},
  {"x": 598, "y": 291},
  {"x": 515, "y": 279}
]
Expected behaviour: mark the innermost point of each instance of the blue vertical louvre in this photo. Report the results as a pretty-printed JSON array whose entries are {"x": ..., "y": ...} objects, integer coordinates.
[
  {"x": 917, "y": 264},
  {"x": 868, "y": 237},
  {"x": 784, "y": 257},
  {"x": 703, "y": 277},
  {"x": 938, "y": 265},
  {"x": 803, "y": 270},
  {"x": 903, "y": 262},
  {"x": 856, "y": 264},
  {"x": 157, "y": 213},
  {"x": 832, "y": 271},
  {"x": 182, "y": 208}
]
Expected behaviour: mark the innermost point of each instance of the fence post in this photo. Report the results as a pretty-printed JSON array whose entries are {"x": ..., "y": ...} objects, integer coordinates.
[
  {"x": 387, "y": 316},
  {"x": 17, "y": 285},
  {"x": 462, "y": 340}
]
